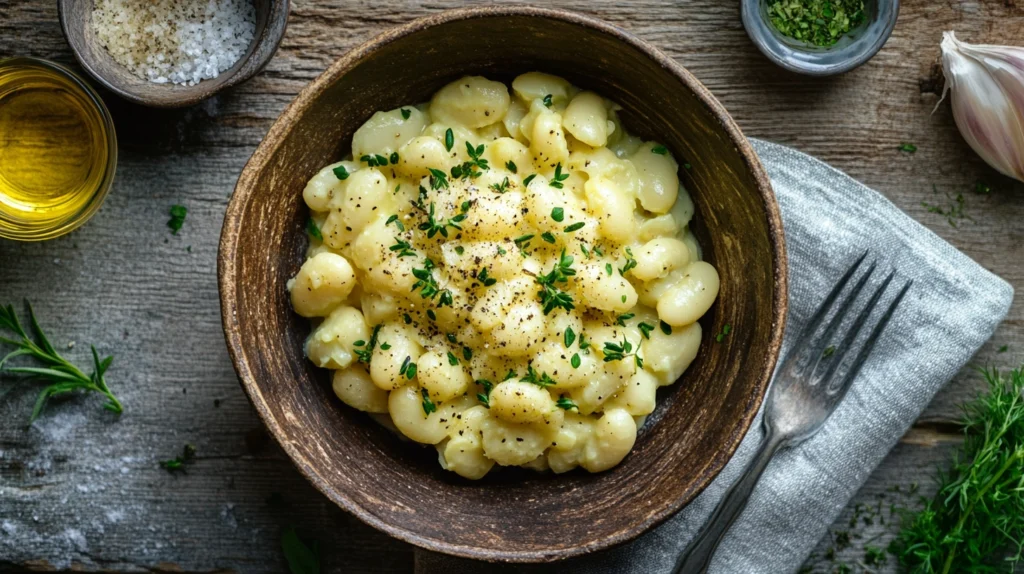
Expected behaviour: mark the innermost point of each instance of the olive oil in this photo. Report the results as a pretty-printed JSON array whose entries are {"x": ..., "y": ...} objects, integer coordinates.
[{"x": 57, "y": 151}]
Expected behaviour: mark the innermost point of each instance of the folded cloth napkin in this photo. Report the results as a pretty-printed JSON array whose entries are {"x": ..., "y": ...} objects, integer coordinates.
[{"x": 952, "y": 309}]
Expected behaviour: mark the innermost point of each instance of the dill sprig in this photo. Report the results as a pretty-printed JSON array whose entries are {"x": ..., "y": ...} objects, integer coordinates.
[
  {"x": 973, "y": 524},
  {"x": 63, "y": 376}
]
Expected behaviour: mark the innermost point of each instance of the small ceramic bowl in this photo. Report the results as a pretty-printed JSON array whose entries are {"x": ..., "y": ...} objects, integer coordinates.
[
  {"x": 76, "y": 21},
  {"x": 852, "y": 50},
  {"x": 398, "y": 486}
]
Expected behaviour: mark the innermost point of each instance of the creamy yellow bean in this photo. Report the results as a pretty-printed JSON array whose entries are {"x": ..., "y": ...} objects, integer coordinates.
[{"x": 505, "y": 274}]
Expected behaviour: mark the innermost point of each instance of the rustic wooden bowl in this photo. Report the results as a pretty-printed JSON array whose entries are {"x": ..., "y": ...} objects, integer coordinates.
[
  {"x": 76, "y": 21},
  {"x": 397, "y": 486}
]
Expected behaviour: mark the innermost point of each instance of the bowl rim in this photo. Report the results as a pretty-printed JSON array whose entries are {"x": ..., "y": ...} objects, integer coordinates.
[
  {"x": 228, "y": 272},
  {"x": 262, "y": 50}
]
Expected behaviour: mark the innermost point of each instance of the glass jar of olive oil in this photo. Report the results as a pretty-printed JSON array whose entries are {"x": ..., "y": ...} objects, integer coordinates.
[{"x": 58, "y": 150}]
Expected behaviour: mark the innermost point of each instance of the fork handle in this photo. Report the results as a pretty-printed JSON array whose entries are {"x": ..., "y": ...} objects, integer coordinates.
[{"x": 698, "y": 555}]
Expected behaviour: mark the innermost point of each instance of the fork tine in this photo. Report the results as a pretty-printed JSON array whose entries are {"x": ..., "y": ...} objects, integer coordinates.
[
  {"x": 819, "y": 315},
  {"x": 869, "y": 344},
  {"x": 846, "y": 344},
  {"x": 816, "y": 347}
]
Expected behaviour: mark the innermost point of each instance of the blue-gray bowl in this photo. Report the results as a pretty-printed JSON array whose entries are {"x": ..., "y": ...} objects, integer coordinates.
[{"x": 853, "y": 49}]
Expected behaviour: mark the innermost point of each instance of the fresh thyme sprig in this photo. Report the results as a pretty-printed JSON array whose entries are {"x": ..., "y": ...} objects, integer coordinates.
[
  {"x": 63, "y": 376},
  {"x": 485, "y": 397},
  {"x": 187, "y": 456},
  {"x": 559, "y": 177},
  {"x": 364, "y": 352},
  {"x": 622, "y": 351},
  {"x": 432, "y": 226},
  {"x": 542, "y": 380},
  {"x": 551, "y": 296},
  {"x": 974, "y": 522},
  {"x": 473, "y": 167}
]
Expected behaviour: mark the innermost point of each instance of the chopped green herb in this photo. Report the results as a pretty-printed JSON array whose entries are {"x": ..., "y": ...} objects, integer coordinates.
[
  {"x": 548, "y": 236},
  {"x": 576, "y": 227},
  {"x": 559, "y": 177},
  {"x": 407, "y": 364},
  {"x": 460, "y": 249},
  {"x": 542, "y": 380},
  {"x": 500, "y": 187},
  {"x": 301, "y": 559},
  {"x": 547, "y": 100},
  {"x": 523, "y": 239},
  {"x": 403, "y": 248},
  {"x": 428, "y": 405},
  {"x": 313, "y": 230},
  {"x": 511, "y": 374},
  {"x": 484, "y": 279},
  {"x": 363, "y": 355},
  {"x": 432, "y": 226},
  {"x": 817, "y": 22},
  {"x": 426, "y": 283},
  {"x": 953, "y": 211},
  {"x": 375, "y": 160},
  {"x": 829, "y": 351},
  {"x": 394, "y": 159},
  {"x": 406, "y": 113},
  {"x": 1003, "y": 349},
  {"x": 340, "y": 172},
  {"x": 982, "y": 188},
  {"x": 449, "y": 139},
  {"x": 187, "y": 456},
  {"x": 472, "y": 167},
  {"x": 608, "y": 268},
  {"x": 485, "y": 397},
  {"x": 452, "y": 339},
  {"x": 725, "y": 331},
  {"x": 452, "y": 359},
  {"x": 645, "y": 329},
  {"x": 565, "y": 403},
  {"x": 501, "y": 250},
  {"x": 445, "y": 299},
  {"x": 569, "y": 337},
  {"x": 621, "y": 319},
  {"x": 575, "y": 361},
  {"x": 438, "y": 179},
  {"x": 178, "y": 213},
  {"x": 659, "y": 149},
  {"x": 511, "y": 166},
  {"x": 558, "y": 214},
  {"x": 584, "y": 343},
  {"x": 529, "y": 178},
  {"x": 467, "y": 353},
  {"x": 907, "y": 147},
  {"x": 385, "y": 346},
  {"x": 394, "y": 219},
  {"x": 630, "y": 262}
]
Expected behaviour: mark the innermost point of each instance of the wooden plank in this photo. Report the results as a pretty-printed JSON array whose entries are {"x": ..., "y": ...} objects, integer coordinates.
[{"x": 81, "y": 490}]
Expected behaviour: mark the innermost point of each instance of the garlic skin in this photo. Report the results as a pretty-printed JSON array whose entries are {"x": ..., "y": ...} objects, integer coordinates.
[{"x": 987, "y": 83}]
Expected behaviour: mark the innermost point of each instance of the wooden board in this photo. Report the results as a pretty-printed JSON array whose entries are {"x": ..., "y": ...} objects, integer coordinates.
[{"x": 82, "y": 491}]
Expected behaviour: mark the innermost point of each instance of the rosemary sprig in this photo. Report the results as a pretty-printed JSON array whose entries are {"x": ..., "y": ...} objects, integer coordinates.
[
  {"x": 974, "y": 522},
  {"x": 63, "y": 376}
]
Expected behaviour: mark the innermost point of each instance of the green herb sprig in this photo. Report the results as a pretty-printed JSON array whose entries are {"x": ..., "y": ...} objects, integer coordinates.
[
  {"x": 62, "y": 376},
  {"x": 973, "y": 524},
  {"x": 551, "y": 296},
  {"x": 178, "y": 463},
  {"x": 301, "y": 558}
]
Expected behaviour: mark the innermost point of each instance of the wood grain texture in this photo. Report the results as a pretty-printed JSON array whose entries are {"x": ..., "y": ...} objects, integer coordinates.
[
  {"x": 125, "y": 284},
  {"x": 76, "y": 22}
]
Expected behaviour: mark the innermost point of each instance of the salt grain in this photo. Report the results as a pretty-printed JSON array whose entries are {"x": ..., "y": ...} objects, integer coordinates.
[{"x": 177, "y": 41}]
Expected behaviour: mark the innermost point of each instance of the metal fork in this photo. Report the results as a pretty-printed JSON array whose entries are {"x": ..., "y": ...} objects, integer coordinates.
[{"x": 806, "y": 389}]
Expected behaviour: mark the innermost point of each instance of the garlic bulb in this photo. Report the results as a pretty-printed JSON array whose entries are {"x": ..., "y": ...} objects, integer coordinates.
[{"x": 988, "y": 100}]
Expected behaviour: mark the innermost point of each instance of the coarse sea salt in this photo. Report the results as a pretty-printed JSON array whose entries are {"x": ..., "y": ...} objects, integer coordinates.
[{"x": 177, "y": 41}]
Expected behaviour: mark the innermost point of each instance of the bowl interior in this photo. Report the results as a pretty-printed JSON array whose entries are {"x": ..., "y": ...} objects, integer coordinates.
[
  {"x": 398, "y": 486},
  {"x": 76, "y": 20}
]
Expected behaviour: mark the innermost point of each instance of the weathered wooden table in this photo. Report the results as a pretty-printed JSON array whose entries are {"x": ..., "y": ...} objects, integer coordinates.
[{"x": 81, "y": 490}]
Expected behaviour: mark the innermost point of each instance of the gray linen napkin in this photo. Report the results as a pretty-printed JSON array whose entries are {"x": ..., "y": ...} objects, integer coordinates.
[{"x": 953, "y": 308}]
